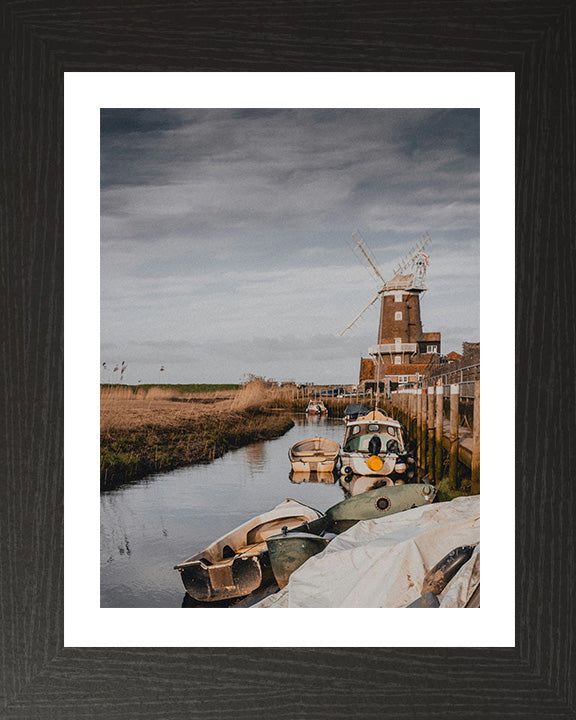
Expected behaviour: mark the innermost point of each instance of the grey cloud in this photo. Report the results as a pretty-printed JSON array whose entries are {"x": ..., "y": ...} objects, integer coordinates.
[{"x": 217, "y": 224}]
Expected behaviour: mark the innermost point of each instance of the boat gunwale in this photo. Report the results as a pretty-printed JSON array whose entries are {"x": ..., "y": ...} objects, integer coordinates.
[{"x": 246, "y": 527}]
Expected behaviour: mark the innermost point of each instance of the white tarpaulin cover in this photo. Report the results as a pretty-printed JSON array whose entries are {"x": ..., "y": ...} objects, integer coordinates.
[{"x": 382, "y": 563}]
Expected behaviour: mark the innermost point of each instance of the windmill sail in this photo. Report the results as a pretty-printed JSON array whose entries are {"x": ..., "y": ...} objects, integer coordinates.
[
  {"x": 361, "y": 312},
  {"x": 416, "y": 260}
]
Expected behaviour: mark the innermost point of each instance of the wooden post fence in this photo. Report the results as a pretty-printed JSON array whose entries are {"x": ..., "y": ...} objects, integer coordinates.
[
  {"x": 430, "y": 430},
  {"x": 475, "y": 467},
  {"x": 453, "y": 462},
  {"x": 419, "y": 447},
  {"x": 439, "y": 432}
]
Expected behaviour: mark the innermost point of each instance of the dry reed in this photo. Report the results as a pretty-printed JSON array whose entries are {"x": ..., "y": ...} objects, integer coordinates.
[{"x": 158, "y": 429}]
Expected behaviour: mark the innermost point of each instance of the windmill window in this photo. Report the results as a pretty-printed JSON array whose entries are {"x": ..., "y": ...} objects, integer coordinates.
[
  {"x": 397, "y": 360},
  {"x": 431, "y": 348},
  {"x": 397, "y": 297},
  {"x": 398, "y": 315}
]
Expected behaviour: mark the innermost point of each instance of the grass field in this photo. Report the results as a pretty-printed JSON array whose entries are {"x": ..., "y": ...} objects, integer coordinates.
[
  {"x": 191, "y": 388},
  {"x": 158, "y": 428}
]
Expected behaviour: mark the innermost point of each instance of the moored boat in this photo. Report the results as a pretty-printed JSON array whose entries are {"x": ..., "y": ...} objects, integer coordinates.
[
  {"x": 315, "y": 454},
  {"x": 379, "y": 502},
  {"x": 374, "y": 446},
  {"x": 238, "y": 563},
  {"x": 291, "y": 548},
  {"x": 316, "y": 407}
]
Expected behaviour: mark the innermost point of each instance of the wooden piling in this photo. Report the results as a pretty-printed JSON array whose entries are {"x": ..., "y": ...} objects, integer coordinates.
[
  {"x": 423, "y": 432},
  {"x": 430, "y": 431},
  {"x": 419, "y": 427},
  {"x": 439, "y": 431},
  {"x": 453, "y": 463},
  {"x": 475, "y": 465},
  {"x": 412, "y": 414}
]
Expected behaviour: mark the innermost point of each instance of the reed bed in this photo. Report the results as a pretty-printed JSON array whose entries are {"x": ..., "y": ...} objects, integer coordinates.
[{"x": 158, "y": 429}]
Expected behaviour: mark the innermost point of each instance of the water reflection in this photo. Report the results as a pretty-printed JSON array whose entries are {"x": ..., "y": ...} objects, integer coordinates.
[
  {"x": 147, "y": 527},
  {"x": 312, "y": 477},
  {"x": 255, "y": 455}
]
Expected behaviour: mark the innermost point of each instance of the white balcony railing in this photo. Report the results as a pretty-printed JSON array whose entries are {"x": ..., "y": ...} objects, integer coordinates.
[{"x": 392, "y": 348}]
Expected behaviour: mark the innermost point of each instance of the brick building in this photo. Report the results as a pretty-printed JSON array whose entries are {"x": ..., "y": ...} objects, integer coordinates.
[{"x": 403, "y": 351}]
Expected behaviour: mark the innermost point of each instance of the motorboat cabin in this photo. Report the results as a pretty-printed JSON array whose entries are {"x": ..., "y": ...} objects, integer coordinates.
[{"x": 373, "y": 445}]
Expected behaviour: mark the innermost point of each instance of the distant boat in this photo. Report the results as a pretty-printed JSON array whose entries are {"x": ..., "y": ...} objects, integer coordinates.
[
  {"x": 316, "y": 407},
  {"x": 314, "y": 455},
  {"x": 373, "y": 445},
  {"x": 291, "y": 548},
  {"x": 238, "y": 563}
]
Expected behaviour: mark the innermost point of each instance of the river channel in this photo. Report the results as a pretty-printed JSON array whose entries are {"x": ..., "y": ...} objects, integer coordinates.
[{"x": 148, "y": 526}]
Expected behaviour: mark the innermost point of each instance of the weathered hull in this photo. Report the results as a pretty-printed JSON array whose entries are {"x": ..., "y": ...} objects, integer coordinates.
[
  {"x": 235, "y": 578},
  {"x": 379, "y": 502},
  {"x": 237, "y": 563},
  {"x": 288, "y": 552}
]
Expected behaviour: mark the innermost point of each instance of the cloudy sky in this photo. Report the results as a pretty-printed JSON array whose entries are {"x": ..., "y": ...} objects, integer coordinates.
[{"x": 225, "y": 236}]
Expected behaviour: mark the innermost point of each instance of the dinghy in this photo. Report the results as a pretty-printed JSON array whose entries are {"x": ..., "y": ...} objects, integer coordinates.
[
  {"x": 314, "y": 455},
  {"x": 238, "y": 563}
]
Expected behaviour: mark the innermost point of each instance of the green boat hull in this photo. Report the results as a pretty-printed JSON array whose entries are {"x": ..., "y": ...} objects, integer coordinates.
[
  {"x": 375, "y": 503},
  {"x": 379, "y": 502},
  {"x": 288, "y": 552},
  {"x": 292, "y": 548}
]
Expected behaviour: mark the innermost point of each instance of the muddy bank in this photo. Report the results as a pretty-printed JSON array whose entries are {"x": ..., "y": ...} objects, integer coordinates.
[{"x": 131, "y": 453}]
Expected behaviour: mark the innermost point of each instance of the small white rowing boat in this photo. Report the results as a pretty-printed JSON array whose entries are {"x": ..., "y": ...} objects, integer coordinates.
[{"x": 314, "y": 455}]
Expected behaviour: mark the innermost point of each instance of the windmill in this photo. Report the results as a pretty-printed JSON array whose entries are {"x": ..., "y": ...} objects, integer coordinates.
[{"x": 400, "y": 304}]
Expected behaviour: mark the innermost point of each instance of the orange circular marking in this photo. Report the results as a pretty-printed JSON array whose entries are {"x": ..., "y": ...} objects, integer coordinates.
[{"x": 375, "y": 463}]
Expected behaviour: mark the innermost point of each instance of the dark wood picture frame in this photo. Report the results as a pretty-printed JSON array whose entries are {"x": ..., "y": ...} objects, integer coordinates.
[{"x": 41, "y": 39}]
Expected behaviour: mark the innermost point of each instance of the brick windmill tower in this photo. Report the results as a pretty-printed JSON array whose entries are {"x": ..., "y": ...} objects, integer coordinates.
[{"x": 403, "y": 350}]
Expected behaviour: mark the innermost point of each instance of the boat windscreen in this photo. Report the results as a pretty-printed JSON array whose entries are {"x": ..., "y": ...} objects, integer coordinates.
[{"x": 361, "y": 443}]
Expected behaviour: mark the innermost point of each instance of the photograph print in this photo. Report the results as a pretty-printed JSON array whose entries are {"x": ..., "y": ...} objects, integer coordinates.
[{"x": 290, "y": 358}]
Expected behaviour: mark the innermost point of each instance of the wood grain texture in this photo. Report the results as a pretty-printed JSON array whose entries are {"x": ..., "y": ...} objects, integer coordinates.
[{"x": 39, "y": 41}]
